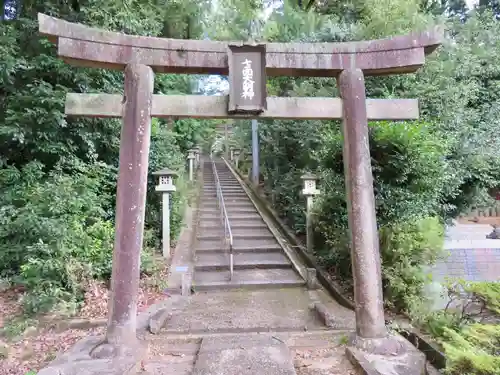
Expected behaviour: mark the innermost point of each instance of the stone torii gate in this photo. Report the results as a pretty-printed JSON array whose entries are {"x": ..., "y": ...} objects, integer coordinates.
[{"x": 140, "y": 56}]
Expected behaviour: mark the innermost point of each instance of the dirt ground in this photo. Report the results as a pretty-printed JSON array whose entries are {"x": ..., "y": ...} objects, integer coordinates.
[
  {"x": 29, "y": 350},
  {"x": 323, "y": 361},
  {"x": 321, "y": 355}
]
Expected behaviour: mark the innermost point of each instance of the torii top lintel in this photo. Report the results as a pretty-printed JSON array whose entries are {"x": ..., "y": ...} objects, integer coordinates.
[{"x": 90, "y": 47}]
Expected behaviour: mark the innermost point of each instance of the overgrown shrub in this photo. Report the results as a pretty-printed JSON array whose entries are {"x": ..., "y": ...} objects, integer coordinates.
[
  {"x": 468, "y": 328},
  {"x": 55, "y": 232},
  {"x": 474, "y": 350},
  {"x": 410, "y": 171},
  {"x": 406, "y": 250}
]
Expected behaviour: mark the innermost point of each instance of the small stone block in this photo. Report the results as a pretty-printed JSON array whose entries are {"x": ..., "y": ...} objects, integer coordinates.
[
  {"x": 406, "y": 360},
  {"x": 331, "y": 320},
  {"x": 244, "y": 355},
  {"x": 158, "y": 320},
  {"x": 312, "y": 279}
]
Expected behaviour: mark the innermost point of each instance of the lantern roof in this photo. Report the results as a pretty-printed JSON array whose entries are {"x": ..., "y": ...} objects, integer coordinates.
[
  {"x": 309, "y": 176},
  {"x": 165, "y": 172}
]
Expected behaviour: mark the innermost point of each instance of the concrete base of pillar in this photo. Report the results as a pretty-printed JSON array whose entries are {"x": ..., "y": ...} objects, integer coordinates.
[
  {"x": 90, "y": 356},
  {"x": 392, "y": 355}
]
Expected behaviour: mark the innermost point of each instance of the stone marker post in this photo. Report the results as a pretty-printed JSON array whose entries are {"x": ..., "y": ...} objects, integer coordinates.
[
  {"x": 130, "y": 204},
  {"x": 191, "y": 157},
  {"x": 197, "y": 151},
  {"x": 309, "y": 191},
  {"x": 366, "y": 263},
  {"x": 237, "y": 157},
  {"x": 231, "y": 154},
  {"x": 255, "y": 153},
  {"x": 165, "y": 187}
]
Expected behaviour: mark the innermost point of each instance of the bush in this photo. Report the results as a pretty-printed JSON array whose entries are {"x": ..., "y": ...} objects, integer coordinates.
[
  {"x": 474, "y": 350},
  {"x": 54, "y": 231},
  {"x": 468, "y": 328},
  {"x": 410, "y": 171},
  {"x": 406, "y": 250}
]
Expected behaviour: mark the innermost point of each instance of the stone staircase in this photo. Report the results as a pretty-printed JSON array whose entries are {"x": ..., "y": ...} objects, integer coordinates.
[{"x": 259, "y": 260}]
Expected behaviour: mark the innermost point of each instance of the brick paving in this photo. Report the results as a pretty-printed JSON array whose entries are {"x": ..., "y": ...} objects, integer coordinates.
[
  {"x": 470, "y": 264},
  {"x": 471, "y": 256}
]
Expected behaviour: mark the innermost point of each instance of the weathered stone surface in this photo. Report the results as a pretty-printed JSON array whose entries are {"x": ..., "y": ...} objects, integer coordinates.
[
  {"x": 332, "y": 319},
  {"x": 130, "y": 204},
  {"x": 4, "y": 350},
  {"x": 79, "y": 360},
  {"x": 244, "y": 355},
  {"x": 196, "y": 106},
  {"x": 392, "y": 355},
  {"x": 366, "y": 267},
  {"x": 85, "y": 46},
  {"x": 158, "y": 320}
]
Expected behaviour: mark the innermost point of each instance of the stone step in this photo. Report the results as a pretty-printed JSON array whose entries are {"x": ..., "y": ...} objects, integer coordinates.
[
  {"x": 252, "y": 278},
  {"x": 220, "y": 261},
  {"x": 230, "y": 204},
  {"x": 238, "y": 231},
  {"x": 211, "y": 242},
  {"x": 231, "y": 189},
  {"x": 227, "y": 197},
  {"x": 240, "y": 249},
  {"x": 252, "y": 221},
  {"x": 233, "y": 214},
  {"x": 231, "y": 211},
  {"x": 243, "y": 355}
]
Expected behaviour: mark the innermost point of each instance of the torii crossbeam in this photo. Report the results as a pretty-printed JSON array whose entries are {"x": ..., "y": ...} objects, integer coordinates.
[{"x": 139, "y": 56}]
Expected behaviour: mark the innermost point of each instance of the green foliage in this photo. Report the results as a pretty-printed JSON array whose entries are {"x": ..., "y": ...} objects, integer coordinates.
[
  {"x": 468, "y": 328},
  {"x": 54, "y": 232},
  {"x": 405, "y": 249},
  {"x": 473, "y": 350},
  {"x": 57, "y": 174},
  {"x": 426, "y": 172}
]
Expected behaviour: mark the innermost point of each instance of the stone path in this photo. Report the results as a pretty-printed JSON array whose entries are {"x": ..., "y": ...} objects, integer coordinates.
[
  {"x": 259, "y": 261},
  {"x": 471, "y": 255},
  {"x": 262, "y": 321},
  {"x": 301, "y": 353}
]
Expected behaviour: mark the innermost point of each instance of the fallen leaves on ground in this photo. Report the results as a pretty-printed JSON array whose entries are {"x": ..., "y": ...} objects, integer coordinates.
[
  {"x": 323, "y": 361},
  {"x": 34, "y": 352}
]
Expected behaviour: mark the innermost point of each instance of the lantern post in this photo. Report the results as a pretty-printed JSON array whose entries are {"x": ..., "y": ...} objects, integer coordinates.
[
  {"x": 309, "y": 191},
  {"x": 165, "y": 187},
  {"x": 197, "y": 151},
  {"x": 191, "y": 157},
  {"x": 236, "y": 153}
]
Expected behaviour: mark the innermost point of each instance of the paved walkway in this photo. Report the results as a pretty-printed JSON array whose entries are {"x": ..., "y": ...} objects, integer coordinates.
[{"x": 471, "y": 256}]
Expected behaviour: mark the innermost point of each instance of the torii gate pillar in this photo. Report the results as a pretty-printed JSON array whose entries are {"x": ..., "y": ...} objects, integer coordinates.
[{"x": 365, "y": 254}]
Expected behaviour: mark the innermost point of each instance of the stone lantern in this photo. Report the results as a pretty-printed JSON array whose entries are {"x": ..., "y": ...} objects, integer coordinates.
[
  {"x": 165, "y": 187},
  {"x": 191, "y": 157},
  {"x": 309, "y": 191}
]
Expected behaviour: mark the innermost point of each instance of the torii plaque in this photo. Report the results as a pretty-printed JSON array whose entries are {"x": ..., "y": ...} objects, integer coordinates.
[{"x": 139, "y": 56}]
